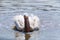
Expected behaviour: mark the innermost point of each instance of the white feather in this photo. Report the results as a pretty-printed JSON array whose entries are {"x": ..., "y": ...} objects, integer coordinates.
[
  {"x": 19, "y": 19},
  {"x": 33, "y": 20}
]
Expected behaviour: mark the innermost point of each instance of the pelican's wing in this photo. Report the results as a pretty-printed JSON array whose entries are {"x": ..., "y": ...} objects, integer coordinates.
[
  {"x": 31, "y": 22},
  {"x": 34, "y": 22},
  {"x": 19, "y": 21}
]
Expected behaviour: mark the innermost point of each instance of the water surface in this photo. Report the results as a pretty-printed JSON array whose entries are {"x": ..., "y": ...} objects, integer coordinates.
[{"x": 47, "y": 10}]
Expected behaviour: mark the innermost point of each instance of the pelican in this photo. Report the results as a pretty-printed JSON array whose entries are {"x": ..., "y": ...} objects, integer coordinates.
[{"x": 30, "y": 21}]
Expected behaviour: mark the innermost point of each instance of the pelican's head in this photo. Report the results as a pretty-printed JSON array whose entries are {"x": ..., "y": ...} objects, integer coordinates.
[{"x": 26, "y": 14}]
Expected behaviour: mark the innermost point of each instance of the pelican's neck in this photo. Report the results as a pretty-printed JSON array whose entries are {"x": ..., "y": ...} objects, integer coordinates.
[{"x": 27, "y": 25}]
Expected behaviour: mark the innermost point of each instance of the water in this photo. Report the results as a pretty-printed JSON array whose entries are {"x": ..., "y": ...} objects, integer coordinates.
[{"x": 47, "y": 10}]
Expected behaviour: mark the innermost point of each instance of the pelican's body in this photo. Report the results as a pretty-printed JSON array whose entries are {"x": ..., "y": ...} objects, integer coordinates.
[{"x": 33, "y": 20}]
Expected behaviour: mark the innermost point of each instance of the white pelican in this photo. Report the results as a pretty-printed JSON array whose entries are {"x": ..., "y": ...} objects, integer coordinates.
[{"x": 33, "y": 21}]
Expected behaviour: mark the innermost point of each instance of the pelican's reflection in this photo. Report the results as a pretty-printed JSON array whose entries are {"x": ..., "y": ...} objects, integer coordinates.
[
  {"x": 27, "y": 36},
  {"x": 18, "y": 35}
]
